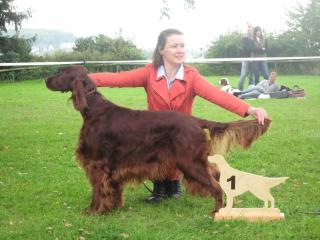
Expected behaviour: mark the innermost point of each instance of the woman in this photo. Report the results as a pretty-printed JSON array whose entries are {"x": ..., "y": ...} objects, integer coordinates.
[
  {"x": 172, "y": 86},
  {"x": 259, "y": 50},
  {"x": 246, "y": 66}
]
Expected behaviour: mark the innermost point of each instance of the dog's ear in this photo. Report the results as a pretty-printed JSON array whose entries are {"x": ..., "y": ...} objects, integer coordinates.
[
  {"x": 88, "y": 83},
  {"x": 78, "y": 95}
]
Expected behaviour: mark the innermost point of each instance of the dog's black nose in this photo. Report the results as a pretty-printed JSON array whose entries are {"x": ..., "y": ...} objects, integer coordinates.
[{"x": 48, "y": 82}]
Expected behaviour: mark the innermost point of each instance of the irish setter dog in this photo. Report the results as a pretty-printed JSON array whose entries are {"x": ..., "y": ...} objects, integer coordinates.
[{"x": 119, "y": 145}]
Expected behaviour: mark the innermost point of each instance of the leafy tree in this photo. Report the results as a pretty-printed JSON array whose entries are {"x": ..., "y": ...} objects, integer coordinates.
[
  {"x": 301, "y": 39},
  {"x": 15, "y": 49},
  {"x": 8, "y": 15},
  {"x": 227, "y": 46},
  {"x": 106, "y": 48},
  {"x": 165, "y": 9},
  {"x": 304, "y": 26},
  {"x": 84, "y": 44}
]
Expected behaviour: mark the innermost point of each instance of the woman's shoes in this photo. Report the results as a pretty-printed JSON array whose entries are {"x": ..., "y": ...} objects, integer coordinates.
[
  {"x": 159, "y": 192},
  {"x": 164, "y": 189},
  {"x": 174, "y": 189}
]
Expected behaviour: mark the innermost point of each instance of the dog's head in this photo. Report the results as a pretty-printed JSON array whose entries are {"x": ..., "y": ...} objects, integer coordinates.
[
  {"x": 74, "y": 79},
  {"x": 66, "y": 77},
  {"x": 224, "y": 82}
]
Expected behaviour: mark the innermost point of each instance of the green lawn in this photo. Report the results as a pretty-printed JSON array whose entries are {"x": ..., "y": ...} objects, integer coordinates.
[{"x": 43, "y": 191}]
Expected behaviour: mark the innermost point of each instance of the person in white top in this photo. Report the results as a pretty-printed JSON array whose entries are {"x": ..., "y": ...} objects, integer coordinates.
[{"x": 266, "y": 86}]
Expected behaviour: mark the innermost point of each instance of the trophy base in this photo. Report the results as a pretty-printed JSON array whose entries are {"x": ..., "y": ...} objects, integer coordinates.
[{"x": 249, "y": 214}]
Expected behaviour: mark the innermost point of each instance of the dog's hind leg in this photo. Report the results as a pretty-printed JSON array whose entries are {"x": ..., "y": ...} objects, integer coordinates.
[
  {"x": 197, "y": 171},
  {"x": 117, "y": 195},
  {"x": 195, "y": 188}
]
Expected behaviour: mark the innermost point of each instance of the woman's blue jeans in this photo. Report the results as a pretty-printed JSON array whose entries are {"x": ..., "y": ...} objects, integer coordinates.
[
  {"x": 260, "y": 67},
  {"x": 246, "y": 70}
]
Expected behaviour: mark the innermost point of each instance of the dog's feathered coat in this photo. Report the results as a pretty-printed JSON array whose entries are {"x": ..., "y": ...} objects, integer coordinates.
[{"x": 117, "y": 145}]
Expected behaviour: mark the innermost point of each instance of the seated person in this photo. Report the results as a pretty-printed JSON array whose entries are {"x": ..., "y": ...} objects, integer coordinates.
[
  {"x": 226, "y": 87},
  {"x": 266, "y": 86}
]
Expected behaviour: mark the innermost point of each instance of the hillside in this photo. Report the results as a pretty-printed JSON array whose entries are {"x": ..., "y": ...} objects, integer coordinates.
[{"x": 47, "y": 40}]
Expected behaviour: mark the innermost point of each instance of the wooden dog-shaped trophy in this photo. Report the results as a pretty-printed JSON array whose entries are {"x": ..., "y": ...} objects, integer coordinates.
[{"x": 235, "y": 182}]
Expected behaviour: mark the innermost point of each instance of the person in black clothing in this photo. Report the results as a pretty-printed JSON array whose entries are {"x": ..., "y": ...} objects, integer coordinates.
[{"x": 246, "y": 68}]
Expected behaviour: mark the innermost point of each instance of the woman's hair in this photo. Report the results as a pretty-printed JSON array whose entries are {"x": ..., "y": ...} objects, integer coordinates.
[
  {"x": 157, "y": 59},
  {"x": 256, "y": 29}
]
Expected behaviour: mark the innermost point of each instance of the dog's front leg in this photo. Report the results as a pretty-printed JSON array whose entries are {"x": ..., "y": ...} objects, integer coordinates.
[
  {"x": 94, "y": 198},
  {"x": 106, "y": 195},
  {"x": 102, "y": 190}
]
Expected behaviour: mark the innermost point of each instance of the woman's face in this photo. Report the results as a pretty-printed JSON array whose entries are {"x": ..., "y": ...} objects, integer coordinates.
[
  {"x": 273, "y": 77},
  {"x": 173, "y": 50},
  {"x": 258, "y": 33}
]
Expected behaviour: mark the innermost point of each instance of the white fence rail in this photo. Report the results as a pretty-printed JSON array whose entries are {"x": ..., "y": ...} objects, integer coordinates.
[{"x": 143, "y": 62}]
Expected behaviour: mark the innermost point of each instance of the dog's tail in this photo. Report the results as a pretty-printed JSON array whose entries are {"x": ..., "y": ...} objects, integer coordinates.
[
  {"x": 274, "y": 181},
  {"x": 224, "y": 136}
]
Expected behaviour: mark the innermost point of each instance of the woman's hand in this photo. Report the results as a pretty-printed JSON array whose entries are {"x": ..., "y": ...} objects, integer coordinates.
[{"x": 258, "y": 113}]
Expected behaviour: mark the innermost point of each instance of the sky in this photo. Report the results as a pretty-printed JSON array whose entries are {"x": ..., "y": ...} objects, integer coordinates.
[{"x": 139, "y": 20}]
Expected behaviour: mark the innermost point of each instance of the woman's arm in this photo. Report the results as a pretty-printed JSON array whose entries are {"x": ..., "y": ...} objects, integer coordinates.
[
  {"x": 227, "y": 101},
  {"x": 258, "y": 113},
  {"x": 133, "y": 78}
]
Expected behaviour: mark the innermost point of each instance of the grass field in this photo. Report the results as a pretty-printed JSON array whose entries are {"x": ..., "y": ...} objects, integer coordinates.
[{"x": 43, "y": 191}]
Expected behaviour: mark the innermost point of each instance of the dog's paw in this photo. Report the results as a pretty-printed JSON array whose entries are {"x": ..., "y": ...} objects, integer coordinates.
[
  {"x": 212, "y": 214},
  {"x": 89, "y": 211}
]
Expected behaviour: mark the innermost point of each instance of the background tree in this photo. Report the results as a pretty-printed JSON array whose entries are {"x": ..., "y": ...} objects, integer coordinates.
[
  {"x": 304, "y": 24},
  {"x": 102, "y": 47},
  {"x": 13, "y": 49},
  {"x": 165, "y": 9},
  {"x": 226, "y": 46},
  {"x": 8, "y": 15},
  {"x": 301, "y": 39}
]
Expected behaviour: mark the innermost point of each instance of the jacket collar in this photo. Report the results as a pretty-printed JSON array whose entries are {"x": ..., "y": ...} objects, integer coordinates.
[
  {"x": 162, "y": 73},
  {"x": 161, "y": 85}
]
